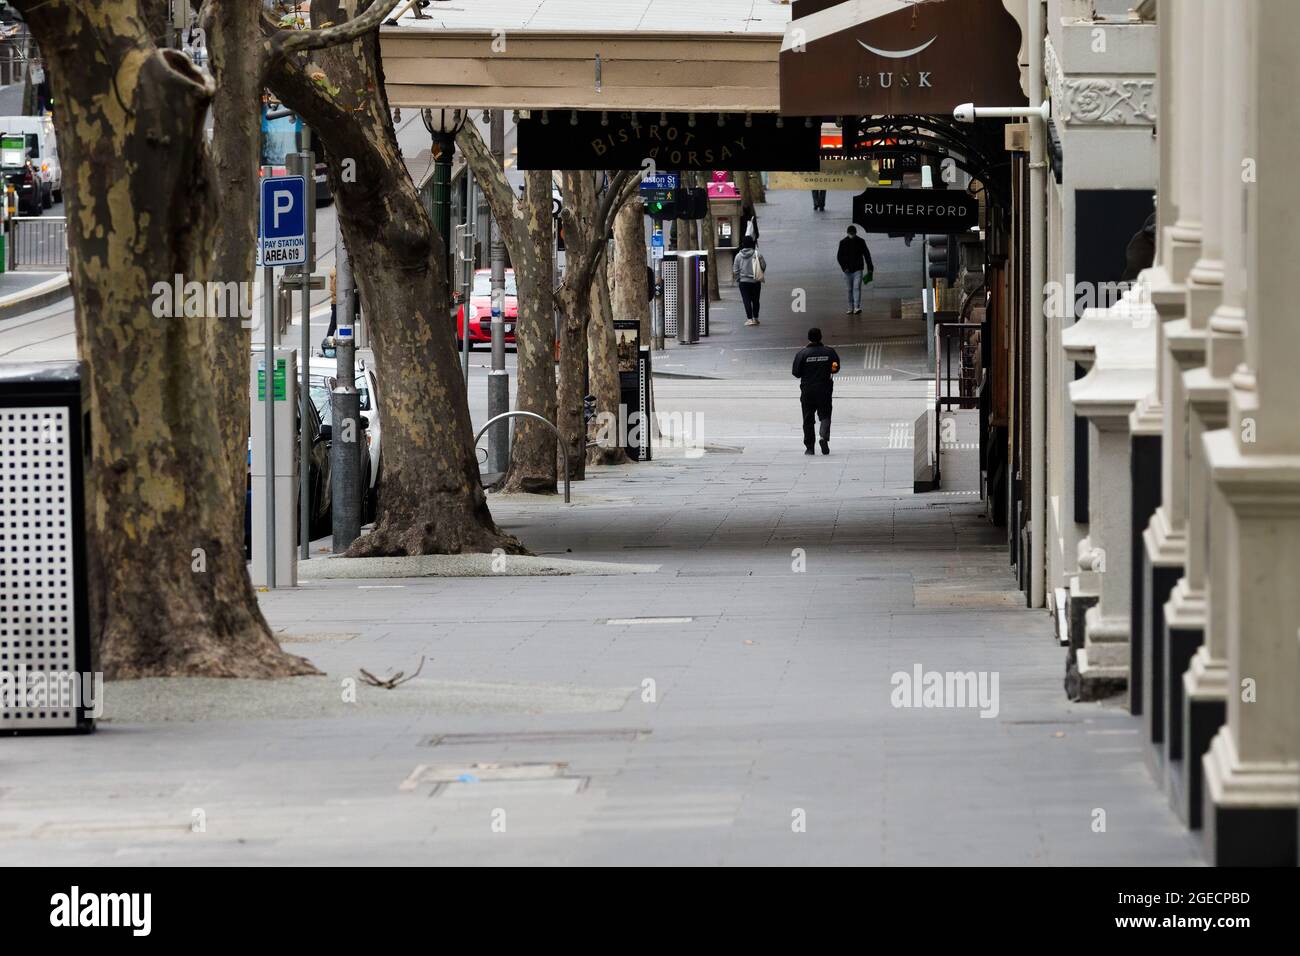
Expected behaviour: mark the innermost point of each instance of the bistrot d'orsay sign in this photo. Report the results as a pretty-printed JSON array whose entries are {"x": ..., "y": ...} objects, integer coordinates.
[
  {"x": 909, "y": 58},
  {"x": 931, "y": 211},
  {"x": 677, "y": 143}
]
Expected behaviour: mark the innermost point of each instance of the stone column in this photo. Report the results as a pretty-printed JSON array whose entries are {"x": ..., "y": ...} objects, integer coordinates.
[
  {"x": 1107, "y": 396},
  {"x": 1252, "y": 769},
  {"x": 1185, "y": 234},
  {"x": 1204, "y": 683}
]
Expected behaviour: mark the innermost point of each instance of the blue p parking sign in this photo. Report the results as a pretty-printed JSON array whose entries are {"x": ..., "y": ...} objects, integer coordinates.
[{"x": 282, "y": 233}]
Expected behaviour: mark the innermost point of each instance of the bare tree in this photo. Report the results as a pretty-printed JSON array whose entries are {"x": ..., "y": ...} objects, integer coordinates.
[
  {"x": 708, "y": 240},
  {"x": 631, "y": 286},
  {"x": 431, "y": 500},
  {"x": 526, "y": 227}
]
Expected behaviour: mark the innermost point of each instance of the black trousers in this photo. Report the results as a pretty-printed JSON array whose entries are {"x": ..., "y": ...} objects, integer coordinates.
[
  {"x": 819, "y": 199},
  {"x": 815, "y": 401},
  {"x": 749, "y": 294}
]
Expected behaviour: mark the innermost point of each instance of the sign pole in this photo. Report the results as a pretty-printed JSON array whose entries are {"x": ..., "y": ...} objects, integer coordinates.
[
  {"x": 306, "y": 168},
  {"x": 268, "y": 397}
]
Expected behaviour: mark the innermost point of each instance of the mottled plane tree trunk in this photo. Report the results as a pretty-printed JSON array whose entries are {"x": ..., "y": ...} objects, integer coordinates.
[
  {"x": 602, "y": 365},
  {"x": 169, "y": 590},
  {"x": 708, "y": 239},
  {"x": 526, "y": 226},
  {"x": 631, "y": 285},
  {"x": 587, "y": 220},
  {"x": 432, "y": 501}
]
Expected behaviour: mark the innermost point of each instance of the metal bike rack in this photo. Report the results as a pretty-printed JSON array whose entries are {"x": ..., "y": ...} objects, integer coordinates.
[{"x": 549, "y": 424}]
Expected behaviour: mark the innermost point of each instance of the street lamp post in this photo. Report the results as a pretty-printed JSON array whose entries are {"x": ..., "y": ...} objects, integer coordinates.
[{"x": 442, "y": 126}]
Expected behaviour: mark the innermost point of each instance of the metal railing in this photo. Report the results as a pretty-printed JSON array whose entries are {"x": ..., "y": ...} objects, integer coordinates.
[
  {"x": 568, "y": 464},
  {"x": 962, "y": 389},
  {"x": 37, "y": 242}
]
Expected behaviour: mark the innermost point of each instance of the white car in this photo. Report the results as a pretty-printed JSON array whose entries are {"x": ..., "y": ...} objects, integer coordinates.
[
  {"x": 42, "y": 150},
  {"x": 322, "y": 375}
]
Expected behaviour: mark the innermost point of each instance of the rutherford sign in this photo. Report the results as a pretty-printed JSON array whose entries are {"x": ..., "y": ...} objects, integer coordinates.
[{"x": 933, "y": 211}]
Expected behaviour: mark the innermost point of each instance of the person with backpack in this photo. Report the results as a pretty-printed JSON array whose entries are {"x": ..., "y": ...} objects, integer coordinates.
[
  {"x": 813, "y": 366},
  {"x": 855, "y": 258},
  {"x": 748, "y": 270}
]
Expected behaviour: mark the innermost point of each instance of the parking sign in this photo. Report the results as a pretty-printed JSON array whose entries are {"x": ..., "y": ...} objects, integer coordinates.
[{"x": 282, "y": 235}]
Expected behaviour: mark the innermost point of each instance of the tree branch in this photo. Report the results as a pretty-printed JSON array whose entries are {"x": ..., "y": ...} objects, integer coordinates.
[
  {"x": 609, "y": 207},
  {"x": 491, "y": 179},
  {"x": 284, "y": 42}
]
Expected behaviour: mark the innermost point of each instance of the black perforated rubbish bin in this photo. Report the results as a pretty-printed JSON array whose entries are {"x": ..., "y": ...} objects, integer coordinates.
[{"x": 47, "y": 680}]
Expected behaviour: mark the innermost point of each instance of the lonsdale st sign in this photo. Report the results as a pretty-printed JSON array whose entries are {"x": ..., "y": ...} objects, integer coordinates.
[
  {"x": 900, "y": 57},
  {"x": 672, "y": 142}
]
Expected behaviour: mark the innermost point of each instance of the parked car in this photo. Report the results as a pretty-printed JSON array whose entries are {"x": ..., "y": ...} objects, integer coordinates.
[
  {"x": 42, "y": 151},
  {"x": 26, "y": 186},
  {"x": 319, "y": 483},
  {"x": 322, "y": 376},
  {"x": 480, "y": 309}
]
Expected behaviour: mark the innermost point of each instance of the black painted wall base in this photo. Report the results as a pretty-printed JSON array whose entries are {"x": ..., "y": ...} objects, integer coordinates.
[
  {"x": 1144, "y": 480},
  {"x": 1075, "y": 610},
  {"x": 1202, "y": 718},
  {"x": 1262, "y": 836},
  {"x": 1158, "y": 584},
  {"x": 1180, "y": 646}
]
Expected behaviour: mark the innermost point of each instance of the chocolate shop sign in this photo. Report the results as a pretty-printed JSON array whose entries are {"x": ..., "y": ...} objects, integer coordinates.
[{"x": 933, "y": 211}]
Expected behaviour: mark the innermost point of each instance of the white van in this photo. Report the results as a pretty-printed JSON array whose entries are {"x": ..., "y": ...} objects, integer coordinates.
[{"x": 42, "y": 150}]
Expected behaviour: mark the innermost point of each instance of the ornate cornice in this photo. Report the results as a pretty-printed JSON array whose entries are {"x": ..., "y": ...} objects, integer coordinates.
[{"x": 1099, "y": 100}]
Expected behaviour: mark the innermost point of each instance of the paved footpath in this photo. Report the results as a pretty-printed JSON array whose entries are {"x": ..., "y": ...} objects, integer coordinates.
[{"x": 732, "y": 703}]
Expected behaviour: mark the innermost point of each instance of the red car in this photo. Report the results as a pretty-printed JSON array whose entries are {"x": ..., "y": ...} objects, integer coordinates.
[{"x": 480, "y": 304}]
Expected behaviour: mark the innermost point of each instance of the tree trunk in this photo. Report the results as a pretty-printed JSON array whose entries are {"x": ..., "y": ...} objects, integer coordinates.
[
  {"x": 526, "y": 227},
  {"x": 432, "y": 501},
  {"x": 756, "y": 188},
  {"x": 602, "y": 364},
  {"x": 576, "y": 310},
  {"x": 169, "y": 588},
  {"x": 741, "y": 180},
  {"x": 708, "y": 241},
  {"x": 532, "y": 452},
  {"x": 631, "y": 288}
]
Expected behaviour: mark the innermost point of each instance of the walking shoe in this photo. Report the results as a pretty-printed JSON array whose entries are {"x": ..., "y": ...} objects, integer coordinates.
[
  {"x": 826, "y": 447},
  {"x": 751, "y": 322},
  {"x": 808, "y": 450},
  {"x": 756, "y": 322},
  {"x": 857, "y": 311}
]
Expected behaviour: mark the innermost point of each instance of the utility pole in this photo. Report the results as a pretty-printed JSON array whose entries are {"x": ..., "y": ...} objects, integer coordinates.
[{"x": 499, "y": 378}]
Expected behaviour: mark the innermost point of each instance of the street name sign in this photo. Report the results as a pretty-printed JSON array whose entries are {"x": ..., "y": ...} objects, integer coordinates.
[{"x": 282, "y": 232}]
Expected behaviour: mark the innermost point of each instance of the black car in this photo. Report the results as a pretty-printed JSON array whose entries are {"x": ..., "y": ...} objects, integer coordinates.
[{"x": 27, "y": 185}]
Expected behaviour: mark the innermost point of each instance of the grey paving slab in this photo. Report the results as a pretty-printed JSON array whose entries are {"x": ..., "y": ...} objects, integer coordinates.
[{"x": 811, "y": 582}]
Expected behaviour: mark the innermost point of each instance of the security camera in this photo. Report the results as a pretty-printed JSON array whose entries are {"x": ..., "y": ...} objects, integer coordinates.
[{"x": 969, "y": 112}]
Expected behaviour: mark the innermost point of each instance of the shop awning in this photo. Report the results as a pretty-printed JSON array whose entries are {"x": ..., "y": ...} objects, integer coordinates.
[
  {"x": 900, "y": 57},
  {"x": 674, "y": 55}
]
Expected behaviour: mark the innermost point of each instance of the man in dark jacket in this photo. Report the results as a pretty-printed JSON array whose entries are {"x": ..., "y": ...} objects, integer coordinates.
[
  {"x": 854, "y": 257},
  {"x": 814, "y": 366}
]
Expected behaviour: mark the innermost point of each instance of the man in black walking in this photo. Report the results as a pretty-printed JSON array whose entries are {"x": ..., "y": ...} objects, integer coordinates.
[
  {"x": 855, "y": 259},
  {"x": 814, "y": 366}
]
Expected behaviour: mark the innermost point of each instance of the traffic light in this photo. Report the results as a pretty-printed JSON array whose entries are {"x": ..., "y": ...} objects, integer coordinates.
[
  {"x": 663, "y": 204},
  {"x": 941, "y": 255}
]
